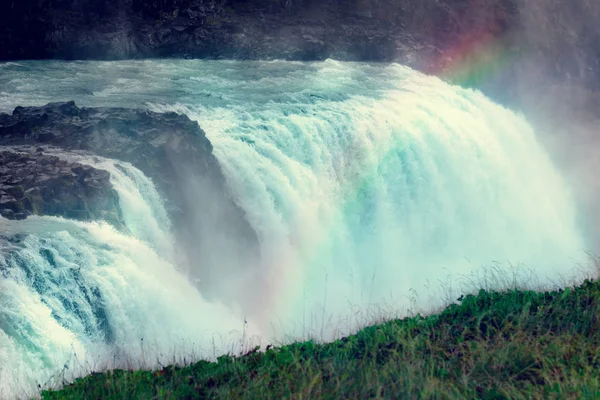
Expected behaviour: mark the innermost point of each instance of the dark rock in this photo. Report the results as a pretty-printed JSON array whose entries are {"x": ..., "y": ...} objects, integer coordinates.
[
  {"x": 160, "y": 145},
  {"x": 169, "y": 148},
  {"x": 84, "y": 193}
]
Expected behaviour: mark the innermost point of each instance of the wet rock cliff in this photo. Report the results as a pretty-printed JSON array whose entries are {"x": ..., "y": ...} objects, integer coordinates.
[
  {"x": 33, "y": 182},
  {"x": 169, "y": 148}
]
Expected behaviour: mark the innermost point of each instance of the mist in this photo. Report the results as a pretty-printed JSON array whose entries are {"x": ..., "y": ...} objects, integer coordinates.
[
  {"x": 360, "y": 160},
  {"x": 558, "y": 86}
]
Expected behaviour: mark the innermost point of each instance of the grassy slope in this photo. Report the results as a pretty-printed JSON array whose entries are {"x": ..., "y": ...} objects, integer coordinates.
[{"x": 515, "y": 344}]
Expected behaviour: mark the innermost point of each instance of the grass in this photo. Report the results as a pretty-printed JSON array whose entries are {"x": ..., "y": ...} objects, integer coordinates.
[{"x": 494, "y": 345}]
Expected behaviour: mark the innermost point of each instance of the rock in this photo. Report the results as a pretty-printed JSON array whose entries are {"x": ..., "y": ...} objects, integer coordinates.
[
  {"x": 169, "y": 148},
  {"x": 84, "y": 193},
  {"x": 160, "y": 145}
]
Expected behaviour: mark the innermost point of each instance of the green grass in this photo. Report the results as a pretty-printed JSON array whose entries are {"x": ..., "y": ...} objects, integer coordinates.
[{"x": 493, "y": 345}]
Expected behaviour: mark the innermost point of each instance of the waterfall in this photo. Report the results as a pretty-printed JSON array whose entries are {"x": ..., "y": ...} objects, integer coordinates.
[
  {"x": 368, "y": 185},
  {"x": 76, "y": 297}
]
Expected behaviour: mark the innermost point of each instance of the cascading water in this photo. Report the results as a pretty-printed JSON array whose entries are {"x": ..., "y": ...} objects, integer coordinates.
[
  {"x": 142, "y": 206},
  {"x": 363, "y": 182},
  {"x": 78, "y": 296}
]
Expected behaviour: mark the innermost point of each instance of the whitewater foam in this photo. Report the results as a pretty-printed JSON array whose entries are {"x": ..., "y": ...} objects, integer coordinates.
[
  {"x": 79, "y": 297},
  {"x": 364, "y": 200},
  {"x": 365, "y": 183}
]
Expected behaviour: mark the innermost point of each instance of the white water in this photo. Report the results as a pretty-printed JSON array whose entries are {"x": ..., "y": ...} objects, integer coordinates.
[
  {"x": 78, "y": 297},
  {"x": 365, "y": 185},
  {"x": 143, "y": 210}
]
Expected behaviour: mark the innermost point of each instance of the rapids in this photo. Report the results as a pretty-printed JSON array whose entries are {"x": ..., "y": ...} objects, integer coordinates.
[{"x": 370, "y": 187}]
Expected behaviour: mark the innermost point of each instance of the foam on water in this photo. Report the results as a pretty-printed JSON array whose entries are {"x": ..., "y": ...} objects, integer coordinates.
[
  {"x": 142, "y": 207},
  {"x": 85, "y": 296},
  {"x": 361, "y": 200},
  {"x": 365, "y": 183}
]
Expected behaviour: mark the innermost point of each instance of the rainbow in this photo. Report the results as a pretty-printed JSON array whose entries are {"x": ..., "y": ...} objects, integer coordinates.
[{"x": 476, "y": 59}]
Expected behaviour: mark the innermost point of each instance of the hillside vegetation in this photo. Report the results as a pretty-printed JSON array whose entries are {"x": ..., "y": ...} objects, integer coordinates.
[{"x": 493, "y": 345}]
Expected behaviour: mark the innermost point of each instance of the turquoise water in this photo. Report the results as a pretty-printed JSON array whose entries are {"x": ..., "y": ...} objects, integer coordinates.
[{"x": 367, "y": 185}]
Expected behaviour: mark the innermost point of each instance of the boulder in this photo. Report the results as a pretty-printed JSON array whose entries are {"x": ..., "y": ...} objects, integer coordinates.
[{"x": 35, "y": 183}]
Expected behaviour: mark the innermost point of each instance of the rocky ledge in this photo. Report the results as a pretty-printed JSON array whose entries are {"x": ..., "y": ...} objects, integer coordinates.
[
  {"x": 160, "y": 145},
  {"x": 169, "y": 148},
  {"x": 32, "y": 182}
]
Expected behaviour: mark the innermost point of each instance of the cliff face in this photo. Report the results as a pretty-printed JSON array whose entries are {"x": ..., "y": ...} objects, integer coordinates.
[
  {"x": 294, "y": 29},
  {"x": 553, "y": 41}
]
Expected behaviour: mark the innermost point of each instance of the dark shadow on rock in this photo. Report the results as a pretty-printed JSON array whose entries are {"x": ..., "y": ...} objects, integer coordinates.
[{"x": 171, "y": 150}]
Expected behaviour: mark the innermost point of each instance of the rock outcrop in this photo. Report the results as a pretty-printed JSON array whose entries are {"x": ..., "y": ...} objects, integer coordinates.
[
  {"x": 157, "y": 144},
  {"x": 32, "y": 182},
  {"x": 169, "y": 148},
  {"x": 160, "y": 145}
]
